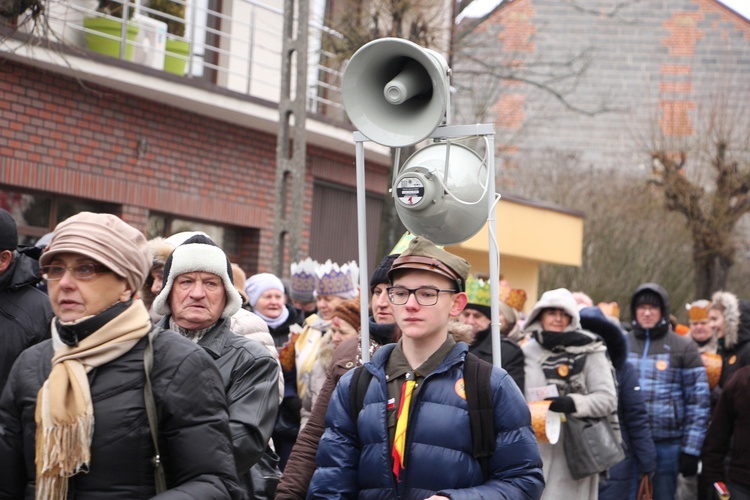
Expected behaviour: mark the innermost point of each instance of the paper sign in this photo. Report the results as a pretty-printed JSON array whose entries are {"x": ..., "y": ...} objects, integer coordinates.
[{"x": 542, "y": 393}]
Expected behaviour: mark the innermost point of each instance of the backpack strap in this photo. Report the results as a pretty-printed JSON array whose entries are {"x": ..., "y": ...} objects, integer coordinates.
[
  {"x": 360, "y": 382},
  {"x": 153, "y": 421},
  {"x": 477, "y": 375}
]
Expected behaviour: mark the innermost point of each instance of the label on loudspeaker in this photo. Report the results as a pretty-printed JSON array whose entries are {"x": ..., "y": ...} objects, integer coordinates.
[{"x": 410, "y": 190}]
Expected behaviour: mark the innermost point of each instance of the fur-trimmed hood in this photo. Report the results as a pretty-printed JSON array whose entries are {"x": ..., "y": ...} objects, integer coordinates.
[
  {"x": 736, "y": 318},
  {"x": 461, "y": 332},
  {"x": 325, "y": 352},
  {"x": 159, "y": 249},
  {"x": 560, "y": 298}
]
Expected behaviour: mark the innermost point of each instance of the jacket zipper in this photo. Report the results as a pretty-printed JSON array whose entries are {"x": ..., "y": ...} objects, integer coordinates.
[{"x": 645, "y": 353}]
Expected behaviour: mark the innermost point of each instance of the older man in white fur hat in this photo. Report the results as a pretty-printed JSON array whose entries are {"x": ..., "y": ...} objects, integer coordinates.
[{"x": 198, "y": 301}]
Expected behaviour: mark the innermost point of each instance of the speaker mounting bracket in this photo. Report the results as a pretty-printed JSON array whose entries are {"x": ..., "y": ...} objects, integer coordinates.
[{"x": 440, "y": 133}]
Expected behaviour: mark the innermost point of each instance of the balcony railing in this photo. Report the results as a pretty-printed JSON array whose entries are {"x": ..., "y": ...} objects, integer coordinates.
[{"x": 237, "y": 47}]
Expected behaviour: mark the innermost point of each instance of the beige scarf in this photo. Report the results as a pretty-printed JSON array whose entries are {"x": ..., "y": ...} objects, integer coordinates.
[{"x": 64, "y": 411}]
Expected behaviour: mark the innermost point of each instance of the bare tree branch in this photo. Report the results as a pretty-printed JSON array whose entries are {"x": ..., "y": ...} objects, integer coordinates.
[{"x": 712, "y": 209}]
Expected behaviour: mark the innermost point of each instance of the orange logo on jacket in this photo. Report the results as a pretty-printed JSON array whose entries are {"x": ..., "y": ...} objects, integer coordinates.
[
  {"x": 661, "y": 365},
  {"x": 563, "y": 370},
  {"x": 732, "y": 360},
  {"x": 460, "y": 388}
]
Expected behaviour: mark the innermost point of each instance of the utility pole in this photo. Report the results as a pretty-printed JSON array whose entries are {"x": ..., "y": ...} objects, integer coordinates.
[{"x": 291, "y": 145}]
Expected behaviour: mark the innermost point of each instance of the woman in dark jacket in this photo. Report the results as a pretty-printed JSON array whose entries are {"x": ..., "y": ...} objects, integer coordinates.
[
  {"x": 73, "y": 411},
  {"x": 640, "y": 452}
]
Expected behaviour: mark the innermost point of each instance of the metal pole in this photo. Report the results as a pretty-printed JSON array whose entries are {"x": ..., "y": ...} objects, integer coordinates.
[
  {"x": 364, "y": 291},
  {"x": 494, "y": 256}
]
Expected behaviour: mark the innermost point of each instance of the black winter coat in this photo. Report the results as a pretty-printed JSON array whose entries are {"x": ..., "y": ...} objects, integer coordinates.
[
  {"x": 729, "y": 434},
  {"x": 250, "y": 375},
  {"x": 193, "y": 426},
  {"x": 511, "y": 355},
  {"x": 25, "y": 312}
]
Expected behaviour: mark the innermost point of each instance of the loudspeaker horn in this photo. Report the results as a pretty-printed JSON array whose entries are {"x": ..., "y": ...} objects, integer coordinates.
[
  {"x": 441, "y": 193},
  {"x": 395, "y": 92}
]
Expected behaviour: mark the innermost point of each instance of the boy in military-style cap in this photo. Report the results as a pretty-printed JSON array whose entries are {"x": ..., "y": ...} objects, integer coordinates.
[{"x": 415, "y": 410}]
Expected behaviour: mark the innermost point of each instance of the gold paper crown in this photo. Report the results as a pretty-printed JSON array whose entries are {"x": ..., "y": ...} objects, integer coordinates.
[
  {"x": 330, "y": 279},
  {"x": 303, "y": 277},
  {"x": 478, "y": 291},
  {"x": 516, "y": 299},
  {"x": 698, "y": 310},
  {"x": 611, "y": 309}
]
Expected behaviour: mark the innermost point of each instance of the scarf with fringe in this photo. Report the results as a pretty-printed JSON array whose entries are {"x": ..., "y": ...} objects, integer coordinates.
[{"x": 64, "y": 411}]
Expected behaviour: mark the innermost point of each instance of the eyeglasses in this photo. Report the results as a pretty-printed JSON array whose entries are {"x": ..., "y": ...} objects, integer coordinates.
[
  {"x": 82, "y": 272},
  {"x": 399, "y": 295}
]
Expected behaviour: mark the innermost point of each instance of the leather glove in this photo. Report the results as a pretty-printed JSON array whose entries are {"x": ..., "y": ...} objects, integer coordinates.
[
  {"x": 688, "y": 464},
  {"x": 562, "y": 404}
]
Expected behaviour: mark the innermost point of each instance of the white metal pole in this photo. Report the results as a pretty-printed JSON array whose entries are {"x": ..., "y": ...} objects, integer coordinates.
[
  {"x": 364, "y": 291},
  {"x": 494, "y": 256}
]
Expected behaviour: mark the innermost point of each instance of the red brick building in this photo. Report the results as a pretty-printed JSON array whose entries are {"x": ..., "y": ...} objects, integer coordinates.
[
  {"x": 169, "y": 153},
  {"x": 166, "y": 154},
  {"x": 619, "y": 73}
]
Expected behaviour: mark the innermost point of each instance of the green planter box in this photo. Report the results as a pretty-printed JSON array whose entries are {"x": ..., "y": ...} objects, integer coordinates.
[
  {"x": 175, "y": 57},
  {"x": 104, "y": 44}
]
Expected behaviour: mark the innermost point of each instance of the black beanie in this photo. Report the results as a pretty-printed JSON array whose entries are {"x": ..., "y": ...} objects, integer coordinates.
[
  {"x": 8, "y": 231},
  {"x": 648, "y": 297},
  {"x": 380, "y": 275},
  {"x": 486, "y": 310}
]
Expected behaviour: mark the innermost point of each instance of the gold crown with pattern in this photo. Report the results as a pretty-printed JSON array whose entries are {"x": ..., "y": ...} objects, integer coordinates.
[
  {"x": 330, "y": 279},
  {"x": 303, "y": 280}
]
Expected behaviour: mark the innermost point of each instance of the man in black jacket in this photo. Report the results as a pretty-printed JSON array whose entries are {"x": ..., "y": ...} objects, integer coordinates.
[
  {"x": 477, "y": 314},
  {"x": 25, "y": 311},
  {"x": 197, "y": 300}
]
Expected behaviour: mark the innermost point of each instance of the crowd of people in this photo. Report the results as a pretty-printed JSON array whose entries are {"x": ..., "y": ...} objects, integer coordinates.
[{"x": 138, "y": 369}]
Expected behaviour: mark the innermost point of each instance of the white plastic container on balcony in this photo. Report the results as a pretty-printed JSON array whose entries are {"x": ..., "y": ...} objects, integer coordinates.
[{"x": 150, "y": 41}]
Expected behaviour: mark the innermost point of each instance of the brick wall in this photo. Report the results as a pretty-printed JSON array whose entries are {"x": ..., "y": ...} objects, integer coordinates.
[
  {"x": 651, "y": 64},
  {"x": 90, "y": 142}
]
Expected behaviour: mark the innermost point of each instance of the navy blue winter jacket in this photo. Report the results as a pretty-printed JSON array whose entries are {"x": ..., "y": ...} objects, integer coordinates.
[{"x": 355, "y": 462}]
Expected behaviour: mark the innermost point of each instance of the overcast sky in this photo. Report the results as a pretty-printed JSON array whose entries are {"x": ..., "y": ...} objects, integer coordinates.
[
  {"x": 479, "y": 8},
  {"x": 741, "y": 6}
]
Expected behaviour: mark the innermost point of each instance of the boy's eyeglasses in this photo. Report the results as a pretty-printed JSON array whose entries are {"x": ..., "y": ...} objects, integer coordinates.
[{"x": 426, "y": 296}]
